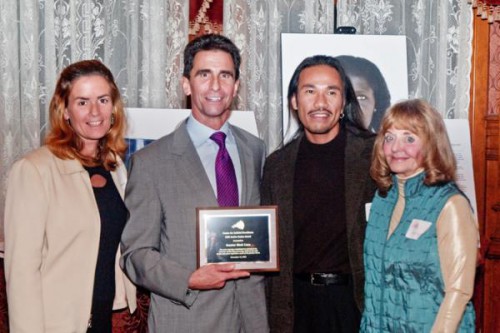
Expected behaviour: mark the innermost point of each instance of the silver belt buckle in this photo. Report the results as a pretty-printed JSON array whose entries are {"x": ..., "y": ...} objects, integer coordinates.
[{"x": 312, "y": 281}]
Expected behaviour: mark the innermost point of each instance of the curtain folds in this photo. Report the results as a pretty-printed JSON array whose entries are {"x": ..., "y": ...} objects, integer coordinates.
[
  {"x": 142, "y": 42},
  {"x": 256, "y": 27},
  {"x": 438, "y": 35}
]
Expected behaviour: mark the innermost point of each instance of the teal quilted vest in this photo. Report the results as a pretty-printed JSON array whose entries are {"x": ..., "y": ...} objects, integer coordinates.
[{"x": 404, "y": 286}]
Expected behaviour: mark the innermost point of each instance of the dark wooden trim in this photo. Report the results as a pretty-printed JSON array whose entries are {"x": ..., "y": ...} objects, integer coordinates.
[
  {"x": 492, "y": 138},
  {"x": 477, "y": 121},
  {"x": 477, "y": 110}
]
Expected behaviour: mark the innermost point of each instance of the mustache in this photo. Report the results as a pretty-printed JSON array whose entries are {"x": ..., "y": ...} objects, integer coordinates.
[{"x": 321, "y": 110}]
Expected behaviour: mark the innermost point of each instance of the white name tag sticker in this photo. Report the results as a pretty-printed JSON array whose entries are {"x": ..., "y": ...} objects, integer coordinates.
[
  {"x": 368, "y": 206},
  {"x": 417, "y": 228}
]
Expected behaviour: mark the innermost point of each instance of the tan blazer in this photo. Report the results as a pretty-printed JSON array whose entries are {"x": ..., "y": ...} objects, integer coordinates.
[{"x": 52, "y": 230}]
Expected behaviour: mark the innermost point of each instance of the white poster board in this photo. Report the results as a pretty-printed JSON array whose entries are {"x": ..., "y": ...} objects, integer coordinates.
[
  {"x": 388, "y": 53},
  {"x": 146, "y": 125},
  {"x": 459, "y": 134}
]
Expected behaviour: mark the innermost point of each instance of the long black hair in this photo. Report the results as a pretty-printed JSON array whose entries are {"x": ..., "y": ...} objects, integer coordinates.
[
  {"x": 352, "y": 110},
  {"x": 364, "y": 68}
]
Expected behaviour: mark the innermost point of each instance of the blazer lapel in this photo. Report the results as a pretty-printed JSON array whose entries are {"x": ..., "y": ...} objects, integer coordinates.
[
  {"x": 120, "y": 177},
  {"x": 357, "y": 161},
  {"x": 247, "y": 165},
  {"x": 288, "y": 174},
  {"x": 190, "y": 167},
  {"x": 68, "y": 166}
]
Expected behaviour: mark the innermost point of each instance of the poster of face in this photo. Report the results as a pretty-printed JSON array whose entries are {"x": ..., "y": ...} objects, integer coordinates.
[{"x": 376, "y": 66}]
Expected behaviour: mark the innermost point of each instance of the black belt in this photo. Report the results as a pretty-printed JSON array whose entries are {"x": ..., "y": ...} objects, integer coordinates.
[{"x": 323, "y": 279}]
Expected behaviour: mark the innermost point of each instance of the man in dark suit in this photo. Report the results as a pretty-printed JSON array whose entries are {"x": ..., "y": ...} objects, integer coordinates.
[
  {"x": 320, "y": 182},
  {"x": 174, "y": 175}
]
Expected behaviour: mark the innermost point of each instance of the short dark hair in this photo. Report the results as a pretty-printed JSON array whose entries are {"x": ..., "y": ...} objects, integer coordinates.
[
  {"x": 364, "y": 68},
  {"x": 211, "y": 42},
  {"x": 352, "y": 110}
]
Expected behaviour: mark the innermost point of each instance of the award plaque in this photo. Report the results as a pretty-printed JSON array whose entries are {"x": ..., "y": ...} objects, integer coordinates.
[{"x": 245, "y": 236}]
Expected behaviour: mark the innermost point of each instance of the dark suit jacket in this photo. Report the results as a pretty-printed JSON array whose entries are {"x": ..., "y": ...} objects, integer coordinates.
[
  {"x": 167, "y": 182},
  {"x": 277, "y": 189}
]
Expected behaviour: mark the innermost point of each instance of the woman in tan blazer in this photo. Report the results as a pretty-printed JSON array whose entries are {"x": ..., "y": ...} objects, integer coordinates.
[{"x": 65, "y": 212}]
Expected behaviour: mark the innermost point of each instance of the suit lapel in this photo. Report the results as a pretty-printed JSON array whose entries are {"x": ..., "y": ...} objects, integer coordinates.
[
  {"x": 120, "y": 177},
  {"x": 357, "y": 161},
  {"x": 288, "y": 175},
  {"x": 69, "y": 166},
  {"x": 190, "y": 168},
  {"x": 247, "y": 165}
]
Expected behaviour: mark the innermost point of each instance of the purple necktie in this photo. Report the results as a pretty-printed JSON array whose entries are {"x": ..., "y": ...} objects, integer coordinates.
[{"x": 227, "y": 187}]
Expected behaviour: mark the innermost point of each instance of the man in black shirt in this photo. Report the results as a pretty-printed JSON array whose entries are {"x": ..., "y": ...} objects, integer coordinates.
[{"x": 320, "y": 182}]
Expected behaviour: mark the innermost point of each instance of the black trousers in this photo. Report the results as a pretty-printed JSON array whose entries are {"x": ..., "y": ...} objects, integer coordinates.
[
  {"x": 322, "y": 309},
  {"x": 101, "y": 321}
]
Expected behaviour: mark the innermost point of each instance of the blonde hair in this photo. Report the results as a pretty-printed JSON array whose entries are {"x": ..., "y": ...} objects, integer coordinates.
[
  {"x": 420, "y": 118},
  {"x": 63, "y": 141}
]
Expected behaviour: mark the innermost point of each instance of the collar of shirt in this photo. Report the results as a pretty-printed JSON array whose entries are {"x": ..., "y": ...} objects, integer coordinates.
[
  {"x": 200, "y": 133},
  {"x": 207, "y": 149}
]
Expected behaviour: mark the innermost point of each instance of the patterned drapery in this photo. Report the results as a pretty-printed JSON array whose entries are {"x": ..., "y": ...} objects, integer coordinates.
[
  {"x": 487, "y": 9},
  {"x": 438, "y": 35},
  {"x": 205, "y": 17},
  {"x": 139, "y": 40},
  {"x": 142, "y": 42},
  {"x": 487, "y": 2},
  {"x": 256, "y": 26}
]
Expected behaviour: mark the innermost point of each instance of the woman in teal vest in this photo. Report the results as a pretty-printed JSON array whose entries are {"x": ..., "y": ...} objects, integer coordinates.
[{"x": 421, "y": 239}]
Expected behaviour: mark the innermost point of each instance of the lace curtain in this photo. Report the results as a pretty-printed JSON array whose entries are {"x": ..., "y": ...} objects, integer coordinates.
[
  {"x": 256, "y": 27},
  {"x": 438, "y": 36},
  {"x": 142, "y": 41}
]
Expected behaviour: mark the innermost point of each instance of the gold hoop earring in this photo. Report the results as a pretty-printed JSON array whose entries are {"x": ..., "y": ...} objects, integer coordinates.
[{"x": 112, "y": 121}]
